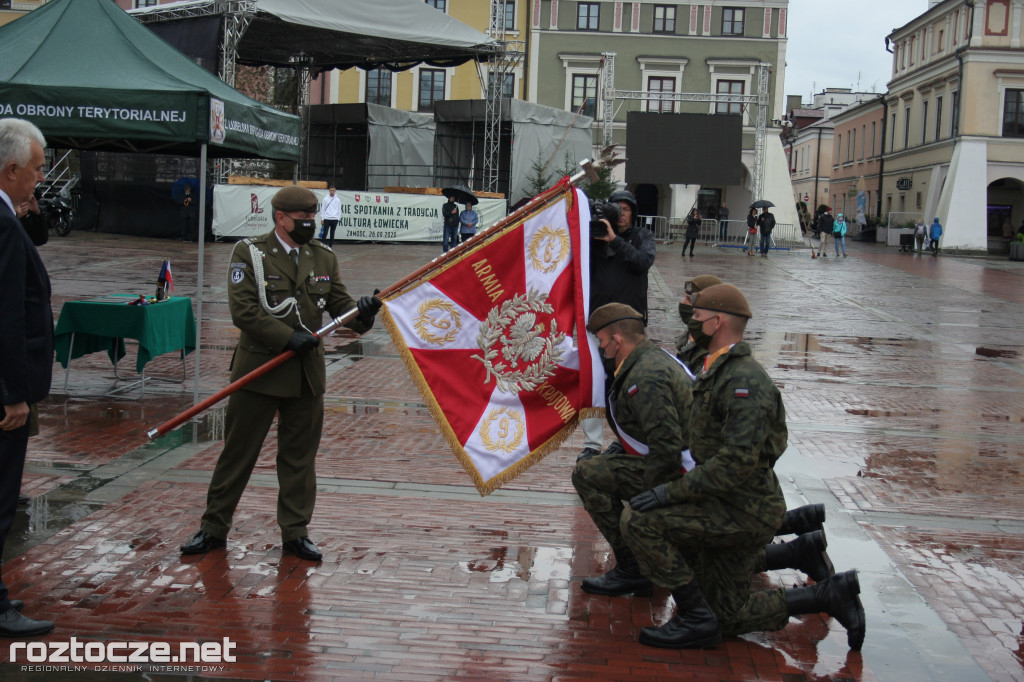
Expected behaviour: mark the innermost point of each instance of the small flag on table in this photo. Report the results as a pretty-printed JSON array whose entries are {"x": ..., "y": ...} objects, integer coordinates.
[{"x": 165, "y": 275}]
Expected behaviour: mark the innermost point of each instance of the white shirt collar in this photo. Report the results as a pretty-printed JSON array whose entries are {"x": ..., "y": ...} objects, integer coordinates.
[{"x": 7, "y": 200}]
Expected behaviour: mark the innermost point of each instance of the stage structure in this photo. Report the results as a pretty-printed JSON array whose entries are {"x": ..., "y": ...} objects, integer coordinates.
[
  {"x": 759, "y": 101},
  {"x": 369, "y": 147},
  {"x": 314, "y": 36},
  {"x": 460, "y": 142}
]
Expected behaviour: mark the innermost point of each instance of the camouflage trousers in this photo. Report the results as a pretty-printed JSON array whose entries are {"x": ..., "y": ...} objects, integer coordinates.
[
  {"x": 683, "y": 543},
  {"x": 603, "y": 482}
]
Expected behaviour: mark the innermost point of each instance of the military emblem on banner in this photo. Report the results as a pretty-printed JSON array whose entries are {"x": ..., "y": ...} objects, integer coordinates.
[{"x": 490, "y": 338}]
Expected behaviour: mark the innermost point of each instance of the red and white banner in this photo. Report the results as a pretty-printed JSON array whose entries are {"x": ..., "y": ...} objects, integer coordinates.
[{"x": 495, "y": 339}]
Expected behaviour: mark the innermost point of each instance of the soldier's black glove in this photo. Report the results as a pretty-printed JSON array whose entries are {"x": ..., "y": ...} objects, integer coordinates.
[
  {"x": 369, "y": 305},
  {"x": 650, "y": 499},
  {"x": 302, "y": 342}
]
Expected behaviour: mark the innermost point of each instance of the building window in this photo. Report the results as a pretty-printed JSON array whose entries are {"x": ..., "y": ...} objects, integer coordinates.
[
  {"x": 906, "y": 128},
  {"x": 510, "y": 15},
  {"x": 954, "y": 119},
  {"x": 664, "y": 19},
  {"x": 938, "y": 117},
  {"x": 873, "y": 132},
  {"x": 145, "y": 3},
  {"x": 1013, "y": 113},
  {"x": 924, "y": 121},
  {"x": 851, "y": 145},
  {"x": 892, "y": 137},
  {"x": 732, "y": 21},
  {"x": 863, "y": 139},
  {"x": 664, "y": 87},
  {"x": 939, "y": 41},
  {"x": 440, "y": 5},
  {"x": 584, "y": 95},
  {"x": 588, "y": 16},
  {"x": 378, "y": 87},
  {"x": 839, "y": 150},
  {"x": 729, "y": 88},
  {"x": 508, "y": 86},
  {"x": 431, "y": 88}
]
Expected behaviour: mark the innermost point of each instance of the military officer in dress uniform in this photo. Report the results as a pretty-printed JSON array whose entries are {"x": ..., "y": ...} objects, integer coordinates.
[
  {"x": 701, "y": 535},
  {"x": 279, "y": 286}
]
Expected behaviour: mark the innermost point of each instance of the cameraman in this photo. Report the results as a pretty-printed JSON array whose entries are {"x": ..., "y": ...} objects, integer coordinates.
[{"x": 619, "y": 261}]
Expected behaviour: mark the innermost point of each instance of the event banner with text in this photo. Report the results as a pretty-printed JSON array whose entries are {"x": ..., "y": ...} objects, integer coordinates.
[{"x": 245, "y": 211}]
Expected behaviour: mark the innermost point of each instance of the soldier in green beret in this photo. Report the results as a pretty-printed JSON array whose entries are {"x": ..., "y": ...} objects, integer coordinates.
[
  {"x": 701, "y": 535},
  {"x": 649, "y": 397},
  {"x": 279, "y": 287}
]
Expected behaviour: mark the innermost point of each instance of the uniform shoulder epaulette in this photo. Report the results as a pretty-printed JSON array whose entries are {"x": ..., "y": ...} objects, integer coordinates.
[{"x": 323, "y": 246}]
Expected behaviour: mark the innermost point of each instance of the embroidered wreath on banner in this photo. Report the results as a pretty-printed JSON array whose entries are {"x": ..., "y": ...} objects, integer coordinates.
[
  {"x": 514, "y": 325},
  {"x": 426, "y": 323},
  {"x": 547, "y": 237},
  {"x": 506, "y": 442}
]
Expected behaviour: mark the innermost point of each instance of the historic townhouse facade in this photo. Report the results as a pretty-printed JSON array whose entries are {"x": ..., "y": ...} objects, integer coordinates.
[
  {"x": 955, "y": 121},
  {"x": 666, "y": 47},
  {"x": 857, "y": 160}
]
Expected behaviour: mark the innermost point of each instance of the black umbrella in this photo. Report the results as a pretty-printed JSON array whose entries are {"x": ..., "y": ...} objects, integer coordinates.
[
  {"x": 462, "y": 194},
  {"x": 761, "y": 203}
]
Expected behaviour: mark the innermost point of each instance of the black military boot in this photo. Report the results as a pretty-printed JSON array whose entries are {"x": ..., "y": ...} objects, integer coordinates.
[
  {"x": 694, "y": 626},
  {"x": 625, "y": 578},
  {"x": 806, "y": 553},
  {"x": 837, "y": 597},
  {"x": 802, "y": 520}
]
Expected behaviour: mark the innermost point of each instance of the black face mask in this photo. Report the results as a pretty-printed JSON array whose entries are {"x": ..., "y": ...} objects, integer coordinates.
[
  {"x": 696, "y": 329},
  {"x": 685, "y": 312},
  {"x": 304, "y": 230}
]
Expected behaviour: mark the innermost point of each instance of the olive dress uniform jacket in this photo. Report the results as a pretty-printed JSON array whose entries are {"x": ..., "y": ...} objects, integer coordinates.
[
  {"x": 738, "y": 431},
  {"x": 651, "y": 396},
  {"x": 317, "y": 288}
]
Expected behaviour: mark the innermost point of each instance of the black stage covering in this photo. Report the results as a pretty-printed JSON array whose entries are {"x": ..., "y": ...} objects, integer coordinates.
[{"x": 685, "y": 149}]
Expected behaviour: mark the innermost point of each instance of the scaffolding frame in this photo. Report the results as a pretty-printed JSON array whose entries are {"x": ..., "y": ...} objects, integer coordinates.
[{"x": 758, "y": 100}]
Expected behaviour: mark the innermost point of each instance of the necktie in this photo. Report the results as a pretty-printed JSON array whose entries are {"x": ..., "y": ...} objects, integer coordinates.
[{"x": 295, "y": 258}]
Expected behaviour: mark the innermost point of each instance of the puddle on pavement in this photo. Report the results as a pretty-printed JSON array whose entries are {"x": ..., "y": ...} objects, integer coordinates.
[
  {"x": 44, "y": 516},
  {"x": 528, "y": 564}
]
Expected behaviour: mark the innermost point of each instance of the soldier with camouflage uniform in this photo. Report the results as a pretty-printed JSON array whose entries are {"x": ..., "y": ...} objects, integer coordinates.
[
  {"x": 280, "y": 285},
  {"x": 649, "y": 450},
  {"x": 701, "y": 535},
  {"x": 687, "y": 349}
]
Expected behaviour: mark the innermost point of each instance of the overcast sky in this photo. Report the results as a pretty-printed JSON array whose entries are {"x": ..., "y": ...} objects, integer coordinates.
[{"x": 838, "y": 43}]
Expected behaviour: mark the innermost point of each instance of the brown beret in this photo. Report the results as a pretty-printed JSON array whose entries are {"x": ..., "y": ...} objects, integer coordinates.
[
  {"x": 723, "y": 298},
  {"x": 702, "y": 282},
  {"x": 295, "y": 198},
  {"x": 609, "y": 313}
]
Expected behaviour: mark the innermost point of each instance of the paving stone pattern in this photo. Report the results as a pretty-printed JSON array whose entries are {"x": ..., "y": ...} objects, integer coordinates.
[{"x": 903, "y": 379}]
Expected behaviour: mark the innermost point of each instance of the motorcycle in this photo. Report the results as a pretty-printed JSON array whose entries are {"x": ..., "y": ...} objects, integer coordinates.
[{"x": 58, "y": 214}]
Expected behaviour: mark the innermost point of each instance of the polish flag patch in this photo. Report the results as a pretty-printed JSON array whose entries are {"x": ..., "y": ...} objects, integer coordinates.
[
  {"x": 632, "y": 390},
  {"x": 741, "y": 393}
]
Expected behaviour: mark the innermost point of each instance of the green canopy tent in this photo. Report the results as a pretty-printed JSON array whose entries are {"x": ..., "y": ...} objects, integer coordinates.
[{"x": 93, "y": 78}]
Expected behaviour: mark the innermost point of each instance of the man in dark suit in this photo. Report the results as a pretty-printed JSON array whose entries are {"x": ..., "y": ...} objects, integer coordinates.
[
  {"x": 26, "y": 337},
  {"x": 280, "y": 285}
]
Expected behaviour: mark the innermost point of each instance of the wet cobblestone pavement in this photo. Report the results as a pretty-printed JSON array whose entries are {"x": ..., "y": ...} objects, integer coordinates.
[{"x": 903, "y": 379}]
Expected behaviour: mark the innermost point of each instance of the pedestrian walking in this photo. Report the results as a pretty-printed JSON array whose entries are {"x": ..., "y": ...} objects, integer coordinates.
[
  {"x": 751, "y": 231},
  {"x": 934, "y": 233},
  {"x": 692, "y": 231},
  {"x": 825, "y": 224},
  {"x": 920, "y": 232},
  {"x": 839, "y": 234}
]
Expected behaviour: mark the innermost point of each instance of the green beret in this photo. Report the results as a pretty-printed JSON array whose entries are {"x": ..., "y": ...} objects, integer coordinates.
[
  {"x": 723, "y": 298},
  {"x": 700, "y": 283},
  {"x": 295, "y": 198},
  {"x": 609, "y": 313}
]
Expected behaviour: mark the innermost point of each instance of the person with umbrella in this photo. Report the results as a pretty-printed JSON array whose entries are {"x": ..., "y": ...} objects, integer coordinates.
[
  {"x": 462, "y": 195},
  {"x": 189, "y": 213},
  {"x": 450, "y": 230},
  {"x": 766, "y": 223}
]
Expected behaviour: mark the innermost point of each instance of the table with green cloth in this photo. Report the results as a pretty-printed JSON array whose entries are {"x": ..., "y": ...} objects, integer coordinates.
[{"x": 104, "y": 323}]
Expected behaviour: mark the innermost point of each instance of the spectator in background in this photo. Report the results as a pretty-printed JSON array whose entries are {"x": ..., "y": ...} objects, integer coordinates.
[
  {"x": 723, "y": 229},
  {"x": 934, "y": 233},
  {"x": 450, "y": 216},
  {"x": 468, "y": 220}
]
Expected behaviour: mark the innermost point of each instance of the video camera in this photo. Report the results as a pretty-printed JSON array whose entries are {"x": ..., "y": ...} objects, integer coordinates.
[{"x": 608, "y": 210}]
